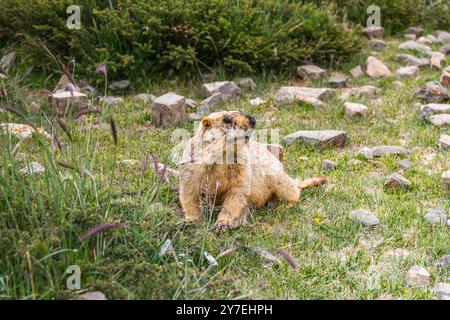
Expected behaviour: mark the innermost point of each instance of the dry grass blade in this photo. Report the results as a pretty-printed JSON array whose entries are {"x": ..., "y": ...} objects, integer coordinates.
[
  {"x": 112, "y": 123},
  {"x": 144, "y": 166},
  {"x": 59, "y": 63},
  {"x": 65, "y": 129},
  {"x": 66, "y": 164},
  {"x": 86, "y": 111},
  {"x": 19, "y": 113},
  {"x": 100, "y": 228}
]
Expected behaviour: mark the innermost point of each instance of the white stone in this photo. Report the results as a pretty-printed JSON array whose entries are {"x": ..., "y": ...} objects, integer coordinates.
[
  {"x": 376, "y": 69},
  {"x": 413, "y": 61},
  {"x": 436, "y": 216},
  {"x": 22, "y": 131},
  {"x": 440, "y": 120},
  {"x": 357, "y": 72},
  {"x": 169, "y": 109},
  {"x": 145, "y": 97},
  {"x": 442, "y": 290},
  {"x": 430, "y": 109},
  {"x": 311, "y": 71},
  {"x": 380, "y": 151},
  {"x": 369, "y": 91},
  {"x": 444, "y": 141},
  {"x": 257, "y": 101},
  {"x": 111, "y": 100},
  {"x": 33, "y": 168},
  {"x": 246, "y": 83},
  {"x": 93, "y": 295},
  {"x": 292, "y": 94},
  {"x": 436, "y": 59},
  {"x": 320, "y": 137},
  {"x": 355, "y": 109},
  {"x": 446, "y": 178},
  {"x": 443, "y": 37},
  {"x": 365, "y": 217},
  {"x": 226, "y": 87},
  {"x": 63, "y": 99},
  {"x": 413, "y": 45},
  {"x": 418, "y": 276},
  {"x": 409, "y": 71}
]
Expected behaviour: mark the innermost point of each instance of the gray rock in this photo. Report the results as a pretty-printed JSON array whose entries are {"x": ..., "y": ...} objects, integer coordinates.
[
  {"x": 405, "y": 164},
  {"x": 62, "y": 101},
  {"x": 355, "y": 109},
  {"x": 338, "y": 81},
  {"x": 366, "y": 153},
  {"x": 7, "y": 60},
  {"x": 413, "y": 61},
  {"x": 407, "y": 72},
  {"x": 427, "y": 110},
  {"x": 443, "y": 37},
  {"x": 228, "y": 88},
  {"x": 257, "y": 101},
  {"x": 310, "y": 71},
  {"x": 376, "y": 69},
  {"x": 357, "y": 72},
  {"x": 425, "y": 41},
  {"x": 320, "y": 137},
  {"x": 328, "y": 165},
  {"x": 373, "y": 32},
  {"x": 444, "y": 142},
  {"x": 396, "y": 181},
  {"x": 432, "y": 92},
  {"x": 431, "y": 38},
  {"x": 443, "y": 261},
  {"x": 446, "y": 49},
  {"x": 191, "y": 103},
  {"x": 168, "y": 109},
  {"x": 93, "y": 295},
  {"x": 121, "y": 85},
  {"x": 216, "y": 98},
  {"x": 440, "y": 120},
  {"x": 417, "y": 31},
  {"x": 436, "y": 59},
  {"x": 442, "y": 290},
  {"x": 436, "y": 216},
  {"x": 413, "y": 45},
  {"x": 368, "y": 91},
  {"x": 110, "y": 100},
  {"x": 292, "y": 94},
  {"x": 365, "y": 217},
  {"x": 32, "y": 168},
  {"x": 418, "y": 276},
  {"x": 145, "y": 97},
  {"x": 445, "y": 79},
  {"x": 446, "y": 178},
  {"x": 380, "y": 151},
  {"x": 377, "y": 44},
  {"x": 412, "y": 37},
  {"x": 246, "y": 83}
]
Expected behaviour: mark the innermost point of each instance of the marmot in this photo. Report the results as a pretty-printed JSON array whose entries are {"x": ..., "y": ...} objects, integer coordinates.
[{"x": 222, "y": 164}]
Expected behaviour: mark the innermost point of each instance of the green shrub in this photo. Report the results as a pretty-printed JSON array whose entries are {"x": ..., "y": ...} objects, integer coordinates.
[{"x": 150, "y": 37}]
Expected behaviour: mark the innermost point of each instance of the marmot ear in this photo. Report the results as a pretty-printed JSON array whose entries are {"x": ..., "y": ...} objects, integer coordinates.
[{"x": 206, "y": 123}]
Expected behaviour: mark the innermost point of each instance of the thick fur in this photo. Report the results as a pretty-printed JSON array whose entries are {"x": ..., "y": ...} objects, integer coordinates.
[{"x": 223, "y": 164}]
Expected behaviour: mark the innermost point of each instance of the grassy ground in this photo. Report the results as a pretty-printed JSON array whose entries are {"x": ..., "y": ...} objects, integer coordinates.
[{"x": 43, "y": 216}]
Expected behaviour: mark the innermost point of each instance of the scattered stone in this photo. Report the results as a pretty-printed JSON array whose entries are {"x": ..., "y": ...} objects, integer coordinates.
[
  {"x": 446, "y": 178},
  {"x": 22, "y": 131},
  {"x": 373, "y": 32},
  {"x": 320, "y": 137},
  {"x": 432, "y": 92},
  {"x": 412, "y": 37},
  {"x": 405, "y": 164},
  {"x": 93, "y": 295},
  {"x": 355, "y": 109},
  {"x": 62, "y": 84},
  {"x": 328, "y": 165},
  {"x": 443, "y": 37},
  {"x": 446, "y": 49},
  {"x": 228, "y": 88},
  {"x": 396, "y": 181},
  {"x": 413, "y": 45},
  {"x": 440, "y": 120},
  {"x": 442, "y": 290},
  {"x": 436, "y": 216},
  {"x": 444, "y": 142},
  {"x": 417, "y": 31},
  {"x": 413, "y": 61},
  {"x": 246, "y": 83},
  {"x": 425, "y": 41},
  {"x": 377, "y": 44},
  {"x": 430, "y": 109},
  {"x": 338, "y": 81},
  {"x": 357, "y": 72},
  {"x": 7, "y": 61},
  {"x": 216, "y": 98},
  {"x": 436, "y": 59},
  {"x": 145, "y": 97},
  {"x": 366, "y": 152},
  {"x": 443, "y": 261},
  {"x": 369, "y": 91},
  {"x": 445, "y": 79},
  {"x": 32, "y": 168},
  {"x": 407, "y": 72},
  {"x": 292, "y": 94},
  {"x": 418, "y": 276},
  {"x": 380, "y": 151},
  {"x": 365, "y": 217},
  {"x": 121, "y": 85},
  {"x": 310, "y": 71},
  {"x": 257, "y": 101},
  {"x": 431, "y": 38},
  {"x": 191, "y": 103},
  {"x": 62, "y": 100},
  {"x": 376, "y": 69},
  {"x": 110, "y": 100},
  {"x": 168, "y": 109}
]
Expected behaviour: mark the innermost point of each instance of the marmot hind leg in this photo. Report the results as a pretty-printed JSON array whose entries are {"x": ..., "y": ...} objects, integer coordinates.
[{"x": 286, "y": 189}]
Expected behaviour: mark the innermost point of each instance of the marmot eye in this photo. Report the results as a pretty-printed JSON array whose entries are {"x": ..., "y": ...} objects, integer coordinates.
[{"x": 227, "y": 120}]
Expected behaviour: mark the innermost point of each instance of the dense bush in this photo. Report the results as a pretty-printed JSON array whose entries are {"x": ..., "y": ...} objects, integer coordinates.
[{"x": 155, "y": 37}]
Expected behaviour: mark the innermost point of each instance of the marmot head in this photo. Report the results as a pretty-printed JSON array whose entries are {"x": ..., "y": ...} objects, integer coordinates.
[{"x": 227, "y": 125}]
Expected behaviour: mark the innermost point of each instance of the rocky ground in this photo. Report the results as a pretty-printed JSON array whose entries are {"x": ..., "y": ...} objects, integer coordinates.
[{"x": 92, "y": 189}]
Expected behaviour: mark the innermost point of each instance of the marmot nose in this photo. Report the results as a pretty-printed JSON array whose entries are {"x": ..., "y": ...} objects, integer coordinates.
[{"x": 252, "y": 121}]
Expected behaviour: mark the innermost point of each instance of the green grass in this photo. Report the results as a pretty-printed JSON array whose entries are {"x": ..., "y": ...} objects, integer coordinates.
[{"x": 43, "y": 216}]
